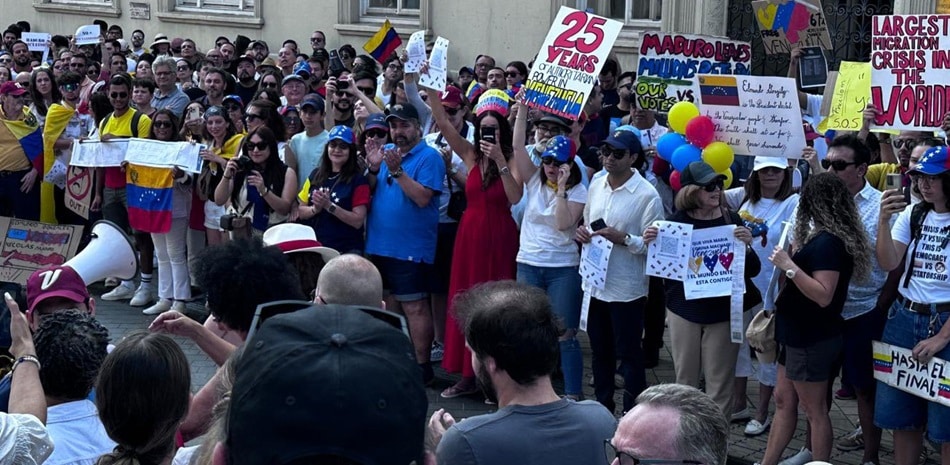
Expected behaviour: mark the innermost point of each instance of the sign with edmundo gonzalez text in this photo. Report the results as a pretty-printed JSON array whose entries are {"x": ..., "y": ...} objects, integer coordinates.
[
  {"x": 910, "y": 71},
  {"x": 569, "y": 61}
]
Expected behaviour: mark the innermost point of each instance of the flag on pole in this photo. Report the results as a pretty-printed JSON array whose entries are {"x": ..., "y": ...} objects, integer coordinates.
[{"x": 383, "y": 43}]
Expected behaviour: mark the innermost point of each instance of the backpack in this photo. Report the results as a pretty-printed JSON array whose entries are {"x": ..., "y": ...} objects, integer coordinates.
[
  {"x": 136, "y": 116},
  {"x": 918, "y": 214}
]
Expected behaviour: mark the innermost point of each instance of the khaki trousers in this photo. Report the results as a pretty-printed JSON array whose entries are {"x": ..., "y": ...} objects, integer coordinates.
[{"x": 704, "y": 350}]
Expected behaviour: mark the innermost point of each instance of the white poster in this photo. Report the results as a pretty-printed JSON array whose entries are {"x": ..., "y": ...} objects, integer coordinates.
[
  {"x": 712, "y": 260},
  {"x": 158, "y": 154},
  {"x": 437, "y": 74},
  {"x": 88, "y": 34},
  {"x": 595, "y": 257},
  {"x": 668, "y": 254},
  {"x": 94, "y": 153},
  {"x": 416, "y": 49},
  {"x": 897, "y": 367}
]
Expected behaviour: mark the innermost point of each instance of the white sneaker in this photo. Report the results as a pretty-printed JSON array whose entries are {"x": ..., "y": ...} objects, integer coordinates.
[
  {"x": 178, "y": 306},
  {"x": 161, "y": 306},
  {"x": 121, "y": 292},
  {"x": 801, "y": 458},
  {"x": 754, "y": 428},
  {"x": 144, "y": 295}
]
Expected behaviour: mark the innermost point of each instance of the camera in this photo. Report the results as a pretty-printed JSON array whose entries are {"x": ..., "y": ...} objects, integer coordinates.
[
  {"x": 342, "y": 85},
  {"x": 232, "y": 221},
  {"x": 244, "y": 163}
]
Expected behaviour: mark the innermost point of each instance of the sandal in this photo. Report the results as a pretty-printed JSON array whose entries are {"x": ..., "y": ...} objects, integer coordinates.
[{"x": 456, "y": 390}]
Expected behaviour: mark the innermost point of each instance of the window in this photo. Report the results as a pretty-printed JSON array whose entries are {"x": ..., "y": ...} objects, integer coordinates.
[
  {"x": 218, "y": 6},
  {"x": 241, "y": 13},
  {"x": 645, "y": 13},
  {"x": 106, "y": 8},
  {"x": 363, "y": 17},
  {"x": 384, "y": 7}
]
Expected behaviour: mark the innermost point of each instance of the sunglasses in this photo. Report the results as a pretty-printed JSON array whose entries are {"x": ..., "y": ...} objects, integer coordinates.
[
  {"x": 367, "y": 90},
  {"x": 510, "y": 74},
  {"x": 316, "y": 39},
  {"x": 376, "y": 133},
  {"x": 554, "y": 130},
  {"x": 231, "y": 108},
  {"x": 714, "y": 186},
  {"x": 909, "y": 144},
  {"x": 339, "y": 145},
  {"x": 119, "y": 94},
  {"x": 259, "y": 146},
  {"x": 252, "y": 116},
  {"x": 550, "y": 161},
  {"x": 291, "y": 120},
  {"x": 162, "y": 124},
  {"x": 837, "y": 165},
  {"x": 452, "y": 111},
  {"x": 268, "y": 85},
  {"x": 617, "y": 154}
]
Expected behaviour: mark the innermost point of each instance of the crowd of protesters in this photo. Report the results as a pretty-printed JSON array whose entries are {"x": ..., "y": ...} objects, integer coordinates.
[{"x": 454, "y": 220}]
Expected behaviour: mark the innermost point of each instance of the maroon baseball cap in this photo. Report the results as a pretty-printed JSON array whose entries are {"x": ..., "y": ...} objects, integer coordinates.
[
  {"x": 57, "y": 281},
  {"x": 452, "y": 97},
  {"x": 12, "y": 88}
]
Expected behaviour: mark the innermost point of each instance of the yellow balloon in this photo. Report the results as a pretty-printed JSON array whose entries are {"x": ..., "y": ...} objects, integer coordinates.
[
  {"x": 728, "y": 181},
  {"x": 719, "y": 156},
  {"x": 680, "y": 114}
]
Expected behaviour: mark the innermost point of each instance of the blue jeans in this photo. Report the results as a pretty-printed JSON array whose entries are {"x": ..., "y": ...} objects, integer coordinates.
[
  {"x": 563, "y": 286},
  {"x": 898, "y": 410}
]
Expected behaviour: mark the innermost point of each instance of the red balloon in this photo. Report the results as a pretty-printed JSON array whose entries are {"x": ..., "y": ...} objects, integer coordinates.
[
  {"x": 675, "y": 181},
  {"x": 700, "y": 131},
  {"x": 660, "y": 166}
]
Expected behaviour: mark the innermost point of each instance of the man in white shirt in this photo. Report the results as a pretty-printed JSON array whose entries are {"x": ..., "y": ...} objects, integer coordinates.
[{"x": 620, "y": 206}]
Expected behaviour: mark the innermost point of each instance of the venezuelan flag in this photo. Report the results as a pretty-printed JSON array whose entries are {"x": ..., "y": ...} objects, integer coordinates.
[
  {"x": 943, "y": 390},
  {"x": 719, "y": 90},
  {"x": 383, "y": 43},
  {"x": 883, "y": 363},
  {"x": 149, "y": 191}
]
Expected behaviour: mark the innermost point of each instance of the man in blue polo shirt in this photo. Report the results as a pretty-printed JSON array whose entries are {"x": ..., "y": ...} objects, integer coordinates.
[{"x": 403, "y": 224}]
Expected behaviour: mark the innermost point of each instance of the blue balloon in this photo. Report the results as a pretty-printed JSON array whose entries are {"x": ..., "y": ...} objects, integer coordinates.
[
  {"x": 684, "y": 155},
  {"x": 668, "y": 143}
]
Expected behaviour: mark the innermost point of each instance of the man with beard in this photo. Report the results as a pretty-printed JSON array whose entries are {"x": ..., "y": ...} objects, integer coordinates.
[
  {"x": 216, "y": 81},
  {"x": 246, "y": 85},
  {"x": 21, "y": 58},
  {"x": 513, "y": 334},
  {"x": 341, "y": 112},
  {"x": 227, "y": 57},
  {"x": 65, "y": 124},
  {"x": 10, "y": 36},
  {"x": 403, "y": 223},
  {"x": 608, "y": 81},
  {"x": 318, "y": 41},
  {"x": 138, "y": 42},
  {"x": 259, "y": 50},
  {"x": 168, "y": 95}
]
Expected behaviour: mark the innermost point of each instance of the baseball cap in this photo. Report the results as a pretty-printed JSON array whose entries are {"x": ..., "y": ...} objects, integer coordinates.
[
  {"x": 629, "y": 128},
  {"x": 303, "y": 69},
  {"x": 555, "y": 119},
  {"x": 624, "y": 140},
  {"x": 699, "y": 173},
  {"x": 12, "y": 88},
  {"x": 57, "y": 281},
  {"x": 561, "y": 148},
  {"x": 341, "y": 132},
  {"x": 314, "y": 101},
  {"x": 259, "y": 42},
  {"x": 766, "y": 162},
  {"x": 403, "y": 112},
  {"x": 234, "y": 98},
  {"x": 246, "y": 58},
  {"x": 330, "y": 376},
  {"x": 933, "y": 162},
  {"x": 451, "y": 97},
  {"x": 292, "y": 77},
  {"x": 376, "y": 121},
  {"x": 466, "y": 69}
]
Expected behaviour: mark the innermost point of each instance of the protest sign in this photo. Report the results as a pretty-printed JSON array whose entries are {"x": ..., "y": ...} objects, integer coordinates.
[
  {"x": 158, "y": 154},
  {"x": 595, "y": 257},
  {"x": 88, "y": 34},
  {"x": 79, "y": 184},
  {"x": 670, "y": 64},
  {"x": 849, "y": 98},
  {"x": 910, "y": 57},
  {"x": 786, "y": 23},
  {"x": 569, "y": 61},
  {"x": 36, "y": 41},
  {"x": 755, "y": 115},
  {"x": 897, "y": 367},
  {"x": 668, "y": 253},
  {"x": 812, "y": 68},
  {"x": 710, "y": 263},
  {"x": 28, "y": 246},
  {"x": 93, "y": 153},
  {"x": 416, "y": 49},
  {"x": 437, "y": 74}
]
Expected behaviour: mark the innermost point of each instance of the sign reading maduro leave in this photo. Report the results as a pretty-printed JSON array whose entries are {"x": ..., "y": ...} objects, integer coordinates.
[{"x": 897, "y": 367}]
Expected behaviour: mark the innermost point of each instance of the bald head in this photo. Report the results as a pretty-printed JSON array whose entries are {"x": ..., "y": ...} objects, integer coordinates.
[{"x": 350, "y": 280}]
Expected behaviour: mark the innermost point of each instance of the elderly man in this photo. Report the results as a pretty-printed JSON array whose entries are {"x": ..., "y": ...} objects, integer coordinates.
[
  {"x": 671, "y": 423},
  {"x": 403, "y": 222},
  {"x": 350, "y": 280},
  {"x": 21, "y": 147},
  {"x": 168, "y": 95}
]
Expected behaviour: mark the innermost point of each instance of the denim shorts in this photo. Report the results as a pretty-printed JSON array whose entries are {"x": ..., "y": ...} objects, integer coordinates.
[
  {"x": 898, "y": 410},
  {"x": 406, "y": 281}
]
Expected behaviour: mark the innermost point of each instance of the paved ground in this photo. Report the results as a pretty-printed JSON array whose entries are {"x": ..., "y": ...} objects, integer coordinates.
[{"x": 122, "y": 319}]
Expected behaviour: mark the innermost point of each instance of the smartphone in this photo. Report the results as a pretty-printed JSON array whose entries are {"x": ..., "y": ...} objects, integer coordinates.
[
  {"x": 336, "y": 64},
  {"x": 895, "y": 181},
  {"x": 194, "y": 114},
  {"x": 597, "y": 225},
  {"x": 488, "y": 134}
]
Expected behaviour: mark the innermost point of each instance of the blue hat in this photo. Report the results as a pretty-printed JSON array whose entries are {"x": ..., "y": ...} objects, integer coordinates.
[
  {"x": 624, "y": 140},
  {"x": 314, "y": 101},
  {"x": 303, "y": 70},
  {"x": 343, "y": 133},
  {"x": 629, "y": 128},
  {"x": 561, "y": 148},
  {"x": 233, "y": 98},
  {"x": 376, "y": 121},
  {"x": 933, "y": 162}
]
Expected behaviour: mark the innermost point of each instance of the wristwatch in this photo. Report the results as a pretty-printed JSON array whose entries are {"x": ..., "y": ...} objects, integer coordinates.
[
  {"x": 331, "y": 208},
  {"x": 627, "y": 240},
  {"x": 504, "y": 170},
  {"x": 790, "y": 274},
  {"x": 396, "y": 173}
]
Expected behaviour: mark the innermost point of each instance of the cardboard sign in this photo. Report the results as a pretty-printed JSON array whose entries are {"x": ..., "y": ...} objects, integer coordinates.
[
  {"x": 851, "y": 94},
  {"x": 910, "y": 69},
  {"x": 88, "y": 34},
  {"x": 27, "y": 246},
  {"x": 755, "y": 115},
  {"x": 786, "y": 23},
  {"x": 812, "y": 68},
  {"x": 897, "y": 367},
  {"x": 79, "y": 184},
  {"x": 569, "y": 61},
  {"x": 670, "y": 64},
  {"x": 829, "y": 91}
]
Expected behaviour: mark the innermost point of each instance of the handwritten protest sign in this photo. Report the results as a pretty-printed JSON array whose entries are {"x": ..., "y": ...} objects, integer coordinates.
[
  {"x": 88, "y": 34},
  {"x": 785, "y": 23},
  {"x": 30, "y": 245},
  {"x": 79, "y": 184},
  {"x": 851, "y": 94},
  {"x": 569, "y": 61},
  {"x": 755, "y": 115},
  {"x": 146, "y": 152},
  {"x": 668, "y": 254},
  {"x": 670, "y": 64},
  {"x": 897, "y": 367},
  {"x": 711, "y": 257},
  {"x": 910, "y": 68}
]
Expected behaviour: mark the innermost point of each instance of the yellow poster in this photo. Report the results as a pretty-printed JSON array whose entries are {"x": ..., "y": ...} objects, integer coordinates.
[
  {"x": 851, "y": 95},
  {"x": 943, "y": 7}
]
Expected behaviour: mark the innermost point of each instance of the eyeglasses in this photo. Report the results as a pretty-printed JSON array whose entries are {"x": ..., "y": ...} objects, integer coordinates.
[
  {"x": 713, "y": 186},
  {"x": 367, "y": 91},
  {"x": 162, "y": 124},
  {"x": 259, "y": 146},
  {"x": 183, "y": 68},
  {"x": 119, "y": 95},
  {"x": 481, "y": 65},
  {"x": 611, "y": 453},
  {"x": 252, "y": 116},
  {"x": 548, "y": 129},
  {"x": 452, "y": 111},
  {"x": 268, "y": 85},
  {"x": 392, "y": 66},
  {"x": 377, "y": 133},
  {"x": 837, "y": 165},
  {"x": 316, "y": 40},
  {"x": 6, "y": 60},
  {"x": 291, "y": 120},
  {"x": 627, "y": 86},
  {"x": 550, "y": 161},
  {"x": 511, "y": 74},
  {"x": 617, "y": 154},
  {"x": 909, "y": 144}
]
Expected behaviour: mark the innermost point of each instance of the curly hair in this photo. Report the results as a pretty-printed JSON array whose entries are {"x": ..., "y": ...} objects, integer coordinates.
[
  {"x": 71, "y": 346},
  {"x": 826, "y": 205}
]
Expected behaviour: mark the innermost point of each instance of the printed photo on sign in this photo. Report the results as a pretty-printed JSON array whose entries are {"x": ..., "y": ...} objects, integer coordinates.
[{"x": 812, "y": 68}]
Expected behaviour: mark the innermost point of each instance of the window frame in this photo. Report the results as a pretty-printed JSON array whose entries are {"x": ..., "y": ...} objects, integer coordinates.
[
  {"x": 103, "y": 8},
  {"x": 357, "y": 19},
  {"x": 370, "y": 12},
  {"x": 629, "y": 23},
  {"x": 171, "y": 11}
]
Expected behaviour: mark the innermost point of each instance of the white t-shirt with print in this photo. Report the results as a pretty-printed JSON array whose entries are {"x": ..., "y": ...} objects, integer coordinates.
[{"x": 930, "y": 278}]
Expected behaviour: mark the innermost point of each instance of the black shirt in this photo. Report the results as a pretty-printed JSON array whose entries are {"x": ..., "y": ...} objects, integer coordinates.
[{"x": 700, "y": 311}]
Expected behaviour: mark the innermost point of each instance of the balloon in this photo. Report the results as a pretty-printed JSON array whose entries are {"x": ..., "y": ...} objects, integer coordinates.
[
  {"x": 668, "y": 143},
  {"x": 728, "y": 181},
  {"x": 719, "y": 156},
  {"x": 660, "y": 167},
  {"x": 700, "y": 131},
  {"x": 675, "y": 181},
  {"x": 685, "y": 155},
  {"x": 680, "y": 115}
]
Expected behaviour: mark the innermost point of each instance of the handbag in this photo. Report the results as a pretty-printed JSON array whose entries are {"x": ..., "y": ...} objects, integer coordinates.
[
  {"x": 457, "y": 202},
  {"x": 761, "y": 335}
]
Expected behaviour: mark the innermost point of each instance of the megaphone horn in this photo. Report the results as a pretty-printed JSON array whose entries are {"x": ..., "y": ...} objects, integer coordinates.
[{"x": 110, "y": 253}]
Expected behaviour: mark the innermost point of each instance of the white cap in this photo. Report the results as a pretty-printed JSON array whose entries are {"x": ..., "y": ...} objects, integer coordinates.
[{"x": 765, "y": 162}]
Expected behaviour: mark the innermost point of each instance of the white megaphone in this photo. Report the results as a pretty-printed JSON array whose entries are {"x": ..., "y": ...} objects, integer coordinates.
[{"x": 110, "y": 253}]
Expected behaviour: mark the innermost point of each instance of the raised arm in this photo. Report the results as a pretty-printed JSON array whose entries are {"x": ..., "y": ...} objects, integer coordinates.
[
  {"x": 521, "y": 158},
  {"x": 459, "y": 144}
]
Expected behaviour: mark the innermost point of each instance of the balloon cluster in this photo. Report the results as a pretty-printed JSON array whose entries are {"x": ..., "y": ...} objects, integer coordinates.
[{"x": 692, "y": 140}]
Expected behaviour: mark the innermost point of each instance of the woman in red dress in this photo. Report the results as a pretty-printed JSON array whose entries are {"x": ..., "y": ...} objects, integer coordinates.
[{"x": 487, "y": 240}]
